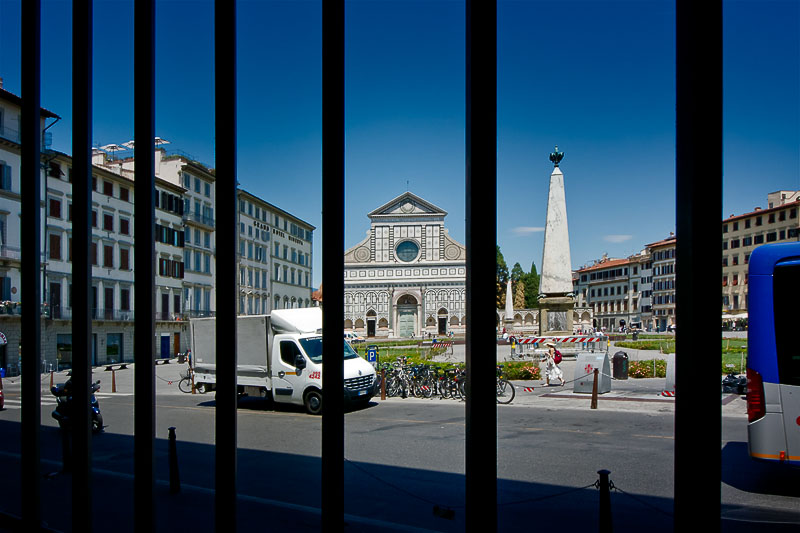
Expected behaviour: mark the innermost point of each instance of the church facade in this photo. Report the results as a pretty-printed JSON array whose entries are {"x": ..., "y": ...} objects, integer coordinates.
[{"x": 407, "y": 278}]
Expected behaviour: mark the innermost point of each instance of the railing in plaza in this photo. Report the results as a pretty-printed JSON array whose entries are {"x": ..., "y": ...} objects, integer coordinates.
[{"x": 698, "y": 185}]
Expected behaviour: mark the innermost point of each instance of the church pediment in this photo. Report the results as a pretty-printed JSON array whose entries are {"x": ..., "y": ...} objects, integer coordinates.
[{"x": 407, "y": 205}]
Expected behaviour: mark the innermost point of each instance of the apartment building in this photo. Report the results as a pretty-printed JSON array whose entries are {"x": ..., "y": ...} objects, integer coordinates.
[
  {"x": 742, "y": 233},
  {"x": 613, "y": 289},
  {"x": 185, "y": 249},
  {"x": 663, "y": 283}
]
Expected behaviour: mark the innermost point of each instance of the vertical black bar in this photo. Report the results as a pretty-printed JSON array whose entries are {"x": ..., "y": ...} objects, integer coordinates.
[
  {"x": 481, "y": 233},
  {"x": 333, "y": 159},
  {"x": 31, "y": 188},
  {"x": 227, "y": 238},
  {"x": 144, "y": 262},
  {"x": 82, "y": 238},
  {"x": 698, "y": 259}
]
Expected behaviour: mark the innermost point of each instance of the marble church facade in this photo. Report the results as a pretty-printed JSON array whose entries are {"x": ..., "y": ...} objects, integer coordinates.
[{"x": 407, "y": 278}]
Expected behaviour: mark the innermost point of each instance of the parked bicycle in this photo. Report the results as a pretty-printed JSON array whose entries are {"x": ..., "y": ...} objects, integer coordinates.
[
  {"x": 505, "y": 389},
  {"x": 185, "y": 384}
]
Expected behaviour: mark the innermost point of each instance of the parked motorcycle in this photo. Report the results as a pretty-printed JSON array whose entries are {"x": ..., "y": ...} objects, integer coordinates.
[
  {"x": 63, "y": 411},
  {"x": 733, "y": 383}
]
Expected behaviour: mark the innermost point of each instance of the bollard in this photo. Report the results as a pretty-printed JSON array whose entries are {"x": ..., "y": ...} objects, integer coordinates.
[
  {"x": 113, "y": 380},
  {"x": 51, "y": 379},
  {"x": 174, "y": 477},
  {"x": 594, "y": 390},
  {"x": 383, "y": 384},
  {"x": 194, "y": 389},
  {"x": 605, "y": 502}
]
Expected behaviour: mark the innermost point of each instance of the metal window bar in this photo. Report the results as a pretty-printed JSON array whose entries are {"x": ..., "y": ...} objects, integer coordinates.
[
  {"x": 31, "y": 189},
  {"x": 698, "y": 175},
  {"x": 333, "y": 164},
  {"x": 481, "y": 239},
  {"x": 144, "y": 262},
  {"x": 227, "y": 237},
  {"x": 698, "y": 151},
  {"x": 82, "y": 238}
]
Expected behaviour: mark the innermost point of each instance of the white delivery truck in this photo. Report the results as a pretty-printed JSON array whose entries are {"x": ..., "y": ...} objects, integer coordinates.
[{"x": 280, "y": 355}]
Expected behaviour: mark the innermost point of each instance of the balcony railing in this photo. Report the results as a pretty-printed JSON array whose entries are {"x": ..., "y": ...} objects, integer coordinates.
[{"x": 200, "y": 219}]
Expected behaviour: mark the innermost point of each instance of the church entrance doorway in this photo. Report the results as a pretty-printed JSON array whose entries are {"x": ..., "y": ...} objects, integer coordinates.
[
  {"x": 406, "y": 316},
  {"x": 442, "y": 315},
  {"x": 371, "y": 323}
]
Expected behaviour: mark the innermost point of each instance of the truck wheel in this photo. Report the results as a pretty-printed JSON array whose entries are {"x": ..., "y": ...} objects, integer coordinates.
[{"x": 313, "y": 402}]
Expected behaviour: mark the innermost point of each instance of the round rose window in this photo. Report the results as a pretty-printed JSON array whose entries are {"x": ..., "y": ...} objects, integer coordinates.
[{"x": 407, "y": 251}]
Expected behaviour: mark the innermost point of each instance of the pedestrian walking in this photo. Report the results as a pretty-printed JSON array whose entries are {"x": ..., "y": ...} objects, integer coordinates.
[{"x": 551, "y": 368}]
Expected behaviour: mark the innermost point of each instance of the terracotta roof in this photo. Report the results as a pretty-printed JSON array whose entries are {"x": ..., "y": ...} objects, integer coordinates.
[
  {"x": 665, "y": 242},
  {"x": 18, "y": 101},
  {"x": 608, "y": 263},
  {"x": 762, "y": 211}
]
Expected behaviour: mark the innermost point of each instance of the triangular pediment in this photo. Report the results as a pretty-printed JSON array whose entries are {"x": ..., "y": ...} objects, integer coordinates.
[{"x": 407, "y": 204}]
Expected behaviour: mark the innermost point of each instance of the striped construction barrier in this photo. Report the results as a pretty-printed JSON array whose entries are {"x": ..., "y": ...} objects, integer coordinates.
[
  {"x": 668, "y": 393},
  {"x": 539, "y": 340},
  {"x": 442, "y": 344},
  {"x": 527, "y": 389}
]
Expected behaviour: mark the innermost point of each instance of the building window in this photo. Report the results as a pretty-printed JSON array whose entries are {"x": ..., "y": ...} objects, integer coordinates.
[
  {"x": 747, "y": 223},
  {"x": 771, "y": 219},
  {"x": 5, "y": 176},
  {"x": 94, "y": 218},
  {"x": 55, "y": 247},
  {"x": 55, "y": 208},
  {"x": 124, "y": 194},
  {"x": 108, "y": 188},
  {"x": 758, "y": 221},
  {"x": 124, "y": 226},
  {"x": 125, "y": 299},
  {"x": 207, "y": 189},
  {"x": 772, "y": 236},
  {"x": 93, "y": 253},
  {"x": 108, "y": 222},
  {"x": 108, "y": 256},
  {"x": 735, "y": 259},
  {"x": 782, "y": 215},
  {"x": 124, "y": 259},
  {"x": 735, "y": 226}
]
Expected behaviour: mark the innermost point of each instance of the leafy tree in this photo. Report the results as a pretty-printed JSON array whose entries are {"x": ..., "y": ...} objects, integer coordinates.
[
  {"x": 519, "y": 295},
  {"x": 531, "y": 280},
  {"x": 502, "y": 279},
  {"x": 516, "y": 273}
]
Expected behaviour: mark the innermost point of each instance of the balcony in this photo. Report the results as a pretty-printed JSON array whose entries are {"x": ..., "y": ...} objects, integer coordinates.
[{"x": 198, "y": 219}]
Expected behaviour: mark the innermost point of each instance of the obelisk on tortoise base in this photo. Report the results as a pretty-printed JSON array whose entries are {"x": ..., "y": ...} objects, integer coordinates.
[{"x": 556, "y": 298}]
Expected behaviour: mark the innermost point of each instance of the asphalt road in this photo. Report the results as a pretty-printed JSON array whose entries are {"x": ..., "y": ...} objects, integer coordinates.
[{"x": 404, "y": 457}]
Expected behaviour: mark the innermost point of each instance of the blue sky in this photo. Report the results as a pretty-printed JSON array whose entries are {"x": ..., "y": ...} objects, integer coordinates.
[{"x": 595, "y": 77}]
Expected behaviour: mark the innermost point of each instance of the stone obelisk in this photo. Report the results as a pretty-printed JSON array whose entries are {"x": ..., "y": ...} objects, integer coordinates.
[
  {"x": 509, "y": 320},
  {"x": 556, "y": 300}
]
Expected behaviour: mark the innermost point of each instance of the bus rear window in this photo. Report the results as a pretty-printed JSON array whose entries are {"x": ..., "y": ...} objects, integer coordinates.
[{"x": 786, "y": 295}]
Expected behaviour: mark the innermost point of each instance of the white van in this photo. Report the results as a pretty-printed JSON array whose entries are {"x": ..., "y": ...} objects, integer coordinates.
[{"x": 280, "y": 355}]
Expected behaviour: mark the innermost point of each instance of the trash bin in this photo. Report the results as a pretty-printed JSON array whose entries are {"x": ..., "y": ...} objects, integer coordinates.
[
  {"x": 181, "y": 358},
  {"x": 584, "y": 373},
  {"x": 620, "y": 364},
  {"x": 636, "y": 335}
]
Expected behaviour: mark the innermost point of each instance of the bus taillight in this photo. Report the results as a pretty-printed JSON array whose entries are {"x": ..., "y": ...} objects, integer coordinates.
[{"x": 756, "y": 408}]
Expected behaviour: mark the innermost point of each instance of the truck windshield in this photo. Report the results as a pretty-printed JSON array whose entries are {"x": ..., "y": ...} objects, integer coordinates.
[{"x": 313, "y": 348}]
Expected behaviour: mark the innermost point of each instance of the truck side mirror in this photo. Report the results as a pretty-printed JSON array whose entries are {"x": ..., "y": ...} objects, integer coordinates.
[{"x": 299, "y": 361}]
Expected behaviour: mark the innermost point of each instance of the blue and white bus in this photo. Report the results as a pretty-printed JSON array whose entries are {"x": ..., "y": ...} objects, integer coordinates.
[{"x": 773, "y": 354}]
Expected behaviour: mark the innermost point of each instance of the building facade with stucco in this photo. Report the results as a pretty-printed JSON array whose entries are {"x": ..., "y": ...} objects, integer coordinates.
[{"x": 407, "y": 277}]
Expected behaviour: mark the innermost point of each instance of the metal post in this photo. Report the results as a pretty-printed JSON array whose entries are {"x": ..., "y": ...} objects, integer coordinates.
[
  {"x": 698, "y": 145},
  {"x": 594, "y": 390},
  {"x": 80, "y": 416},
  {"x": 605, "y": 502},
  {"x": 31, "y": 190},
  {"x": 333, "y": 208},
  {"x": 144, "y": 262},
  {"x": 481, "y": 239},
  {"x": 383, "y": 384},
  {"x": 225, "y": 517},
  {"x": 174, "y": 475}
]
